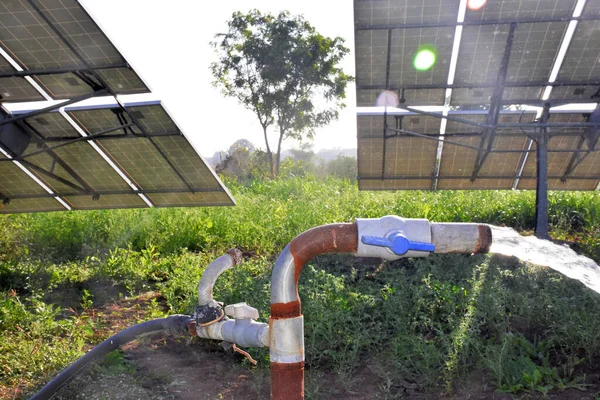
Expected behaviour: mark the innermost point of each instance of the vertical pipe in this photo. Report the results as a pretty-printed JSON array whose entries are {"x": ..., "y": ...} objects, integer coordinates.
[{"x": 286, "y": 324}]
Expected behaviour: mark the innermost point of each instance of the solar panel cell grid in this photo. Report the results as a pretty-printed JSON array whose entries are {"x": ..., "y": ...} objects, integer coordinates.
[
  {"x": 31, "y": 205},
  {"x": 5, "y": 65},
  {"x": 534, "y": 49},
  {"x": 16, "y": 182},
  {"x": 459, "y": 127},
  {"x": 29, "y": 39},
  {"x": 371, "y": 57},
  {"x": 99, "y": 120},
  {"x": 584, "y": 93},
  {"x": 153, "y": 119},
  {"x": 122, "y": 80},
  {"x": 18, "y": 89},
  {"x": 143, "y": 163},
  {"x": 457, "y": 160},
  {"x": 590, "y": 166},
  {"x": 51, "y": 125},
  {"x": 189, "y": 163},
  {"x": 557, "y": 184},
  {"x": 85, "y": 36},
  {"x": 523, "y": 93},
  {"x": 63, "y": 86},
  {"x": 405, "y": 46},
  {"x": 376, "y": 12},
  {"x": 471, "y": 96},
  {"x": 479, "y": 184},
  {"x": 481, "y": 51},
  {"x": 373, "y": 125},
  {"x": 521, "y": 9},
  {"x": 582, "y": 60},
  {"x": 91, "y": 167},
  {"x": 591, "y": 9},
  {"x": 46, "y": 162}
]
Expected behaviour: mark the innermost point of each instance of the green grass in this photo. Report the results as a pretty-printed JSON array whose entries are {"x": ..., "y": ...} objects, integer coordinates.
[{"x": 427, "y": 323}]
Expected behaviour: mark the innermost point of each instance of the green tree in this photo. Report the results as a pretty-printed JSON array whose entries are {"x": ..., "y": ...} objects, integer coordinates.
[
  {"x": 284, "y": 71},
  {"x": 243, "y": 162},
  {"x": 343, "y": 167}
]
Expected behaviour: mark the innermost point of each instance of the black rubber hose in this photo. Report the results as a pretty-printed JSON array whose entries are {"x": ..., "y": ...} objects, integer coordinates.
[{"x": 173, "y": 324}]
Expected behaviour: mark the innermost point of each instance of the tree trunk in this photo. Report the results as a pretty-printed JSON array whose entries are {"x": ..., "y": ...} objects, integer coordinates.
[
  {"x": 279, "y": 153},
  {"x": 269, "y": 153}
]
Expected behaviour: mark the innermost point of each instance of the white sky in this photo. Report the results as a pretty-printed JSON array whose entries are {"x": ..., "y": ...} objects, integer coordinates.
[{"x": 167, "y": 43}]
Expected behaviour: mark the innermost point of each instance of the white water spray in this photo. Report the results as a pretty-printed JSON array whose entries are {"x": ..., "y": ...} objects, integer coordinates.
[{"x": 508, "y": 242}]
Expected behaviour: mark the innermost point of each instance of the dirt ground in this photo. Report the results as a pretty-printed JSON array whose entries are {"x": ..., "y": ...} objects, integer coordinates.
[{"x": 162, "y": 367}]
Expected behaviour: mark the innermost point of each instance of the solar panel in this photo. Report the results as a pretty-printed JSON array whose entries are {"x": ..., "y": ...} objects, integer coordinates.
[
  {"x": 509, "y": 53},
  {"x": 514, "y": 10},
  {"x": 162, "y": 165},
  {"x": 50, "y": 125},
  {"x": 17, "y": 89},
  {"x": 369, "y": 12},
  {"x": 581, "y": 62},
  {"x": 482, "y": 48},
  {"x": 60, "y": 35},
  {"x": 112, "y": 155},
  {"x": 30, "y": 205}
]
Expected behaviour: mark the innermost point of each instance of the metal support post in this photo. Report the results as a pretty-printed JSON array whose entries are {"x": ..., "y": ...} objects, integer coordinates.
[{"x": 541, "y": 194}]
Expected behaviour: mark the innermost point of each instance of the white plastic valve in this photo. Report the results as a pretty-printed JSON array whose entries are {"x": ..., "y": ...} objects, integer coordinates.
[{"x": 241, "y": 311}]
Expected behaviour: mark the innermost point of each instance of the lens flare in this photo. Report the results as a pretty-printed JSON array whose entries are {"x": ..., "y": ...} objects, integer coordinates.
[
  {"x": 475, "y": 4},
  {"x": 424, "y": 59},
  {"x": 387, "y": 98}
]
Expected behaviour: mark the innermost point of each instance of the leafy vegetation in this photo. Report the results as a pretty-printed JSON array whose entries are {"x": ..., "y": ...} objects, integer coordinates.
[
  {"x": 284, "y": 71},
  {"x": 422, "y": 325}
]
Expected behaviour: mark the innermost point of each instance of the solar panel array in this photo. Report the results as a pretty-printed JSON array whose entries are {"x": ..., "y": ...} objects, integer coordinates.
[
  {"x": 114, "y": 156},
  {"x": 507, "y": 52}
]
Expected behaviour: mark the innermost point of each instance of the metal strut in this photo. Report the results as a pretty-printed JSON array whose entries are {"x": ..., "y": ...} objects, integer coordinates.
[
  {"x": 56, "y": 159},
  {"x": 387, "y": 84},
  {"x": 495, "y": 106}
]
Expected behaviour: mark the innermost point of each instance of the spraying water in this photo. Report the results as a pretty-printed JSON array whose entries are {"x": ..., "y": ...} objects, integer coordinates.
[{"x": 508, "y": 242}]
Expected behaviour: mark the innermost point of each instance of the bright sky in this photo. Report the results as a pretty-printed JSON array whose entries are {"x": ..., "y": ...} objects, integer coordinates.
[{"x": 167, "y": 43}]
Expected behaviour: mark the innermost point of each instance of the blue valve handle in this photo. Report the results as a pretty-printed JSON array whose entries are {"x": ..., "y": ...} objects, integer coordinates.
[{"x": 398, "y": 243}]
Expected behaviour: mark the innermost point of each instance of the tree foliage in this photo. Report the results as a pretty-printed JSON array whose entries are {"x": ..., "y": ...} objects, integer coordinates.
[
  {"x": 284, "y": 71},
  {"x": 243, "y": 162}
]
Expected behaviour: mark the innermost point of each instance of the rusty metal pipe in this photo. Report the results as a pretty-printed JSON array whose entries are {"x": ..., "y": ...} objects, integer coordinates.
[
  {"x": 286, "y": 322},
  {"x": 465, "y": 238}
]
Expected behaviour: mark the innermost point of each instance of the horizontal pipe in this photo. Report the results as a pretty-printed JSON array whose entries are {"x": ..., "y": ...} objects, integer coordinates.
[
  {"x": 465, "y": 238},
  {"x": 244, "y": 332}
]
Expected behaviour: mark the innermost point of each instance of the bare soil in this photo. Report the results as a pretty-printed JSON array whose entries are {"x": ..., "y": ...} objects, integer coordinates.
[{"x": 162, "y": 367}]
